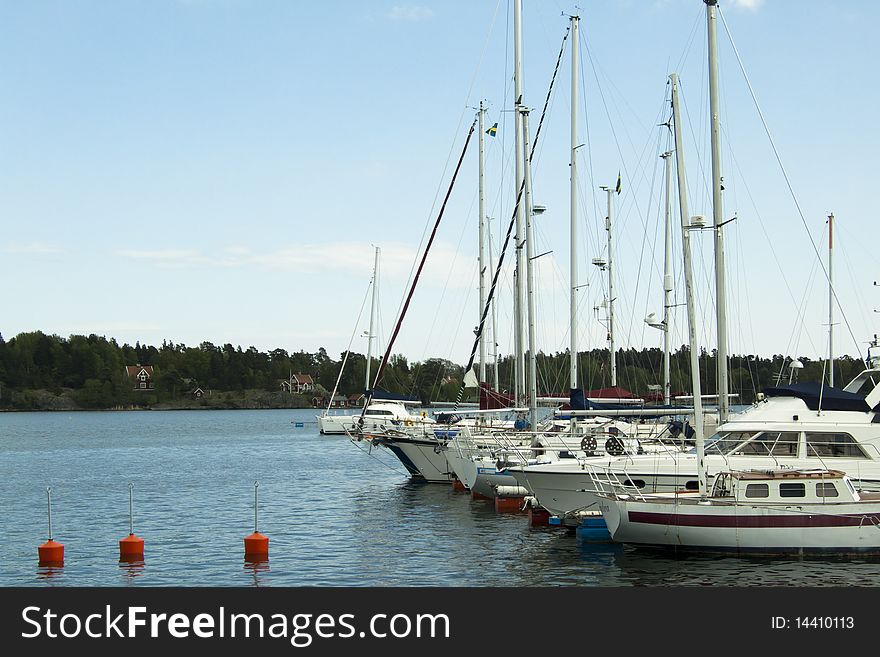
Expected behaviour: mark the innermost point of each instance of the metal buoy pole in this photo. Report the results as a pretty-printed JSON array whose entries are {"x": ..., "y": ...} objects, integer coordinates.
[
  {"x": 131, "y": 548},
  {"x": 49, "y": 508},
  {"x": 256, "y": 546},
  {"x": 51, "y": 553}
]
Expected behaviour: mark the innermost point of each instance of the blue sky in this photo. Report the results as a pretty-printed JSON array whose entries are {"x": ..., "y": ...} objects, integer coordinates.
[{"x": 218, "y": 170}]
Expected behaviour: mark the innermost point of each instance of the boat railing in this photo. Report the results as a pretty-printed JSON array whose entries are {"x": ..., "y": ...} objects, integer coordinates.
[{"x": 607, "y": 481}]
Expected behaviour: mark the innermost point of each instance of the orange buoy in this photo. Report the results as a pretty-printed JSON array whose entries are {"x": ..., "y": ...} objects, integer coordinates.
[
  {"x": 131, "y": 548},
  {"x": 256, "y": 546},
  {"x": 50, "y": 553}
]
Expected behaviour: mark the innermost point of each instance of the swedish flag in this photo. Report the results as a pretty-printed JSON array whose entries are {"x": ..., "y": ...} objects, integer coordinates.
[
  {"x": 617, "y": 189},
  {"x": 491, "y": 131}
]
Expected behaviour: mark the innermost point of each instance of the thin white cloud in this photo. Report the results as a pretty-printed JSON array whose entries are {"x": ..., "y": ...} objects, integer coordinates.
[
  {"x": 167, "y": 259},
  {"x": 410, "y": 13},
  {"x": 37, "y": 248},
  {"x": 751, "y": 5},
  {"x": 346, "y": 257}
]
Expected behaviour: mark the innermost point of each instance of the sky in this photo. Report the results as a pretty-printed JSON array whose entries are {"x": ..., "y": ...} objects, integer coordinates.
[{"x": 221, "y": 170}]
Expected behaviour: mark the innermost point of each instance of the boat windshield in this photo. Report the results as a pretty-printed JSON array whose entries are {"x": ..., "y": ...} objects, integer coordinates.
[{"x": 724, "y": 442}]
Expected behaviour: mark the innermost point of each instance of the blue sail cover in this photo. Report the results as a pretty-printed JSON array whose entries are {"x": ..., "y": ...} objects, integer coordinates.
[
  {"x": 833, "y": 399},
  {"x": 579, "y": 402}
]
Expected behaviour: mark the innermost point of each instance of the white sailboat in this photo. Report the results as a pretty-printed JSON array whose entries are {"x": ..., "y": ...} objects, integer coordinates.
[
  {"x": 379, "y": 412},
  {"x": 754, "y": 512},
  {"x": 781, "y": 509}
]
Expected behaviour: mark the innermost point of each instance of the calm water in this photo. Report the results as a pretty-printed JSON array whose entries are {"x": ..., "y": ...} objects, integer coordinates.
[{"x": 335, "y": 515}]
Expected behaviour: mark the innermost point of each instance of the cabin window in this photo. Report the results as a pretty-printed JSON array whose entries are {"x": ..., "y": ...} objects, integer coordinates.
[
  {"x": 771, "y": 443},
  {"x": 692, "y": 485},
  {"x": 862, "y": 385},
  {"x": 833, "y": 445},
  {"x": 826, "y": 489},
  {"x": 635, "y": 483},
  {"x": 727, "y": 442},
  {"x": 792, "y": 490},
  {"x": 379, "y": 413},
  {"x": 757, "y": 490}
]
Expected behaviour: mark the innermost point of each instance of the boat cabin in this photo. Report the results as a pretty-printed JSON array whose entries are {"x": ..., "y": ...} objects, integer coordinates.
[{"x": 789, "y": 487}]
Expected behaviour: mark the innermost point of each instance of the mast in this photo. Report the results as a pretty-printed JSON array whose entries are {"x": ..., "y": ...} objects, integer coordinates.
[
  {"x": 830, "y": 303},
  {"x": 482, "y": 251},
  {"x": 371, "y": 334},
  {"x": 531, "y": 211},
  {"x": 689, "y": 290},
  {"x": 573, "y": 271},
  {"x": 608, "y": 226},
  {"x": 718, "y": 215},
  {"x": 667, "y": 280},
  {"x": 494, "y": 319},
  {"x": 519, "y": 237}
]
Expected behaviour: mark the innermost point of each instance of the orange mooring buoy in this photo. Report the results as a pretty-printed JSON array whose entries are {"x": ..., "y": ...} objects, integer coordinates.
[
  {"x": 256, "y": 546},
  {"x": 131, "y": 548},
  {"x": 50, "y": 553}
]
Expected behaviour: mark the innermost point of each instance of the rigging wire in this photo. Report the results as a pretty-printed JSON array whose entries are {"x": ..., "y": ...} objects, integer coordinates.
[
  {"x": 350, "y": 341},
  {"x": 422, "y": 262},
  {"x": 451, "y": 152},
  {"x": 785, "y": 176},
  {"x": 510, "y": 226}
]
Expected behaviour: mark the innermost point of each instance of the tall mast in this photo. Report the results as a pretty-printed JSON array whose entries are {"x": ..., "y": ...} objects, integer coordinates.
[
  {"x": 519, "y": 238},
  {"x": 667, "y": 280},
  {"x": 689, "y": 290},
  {"x": 718, "y": 215},
  {"x": 531, "y": 211},
  {"x": 830, "y": 303},
  {"x": 482, "y": 252},
  {"x": 494, "y": 319},
  {"x": 371, "y": 334},
  {"x": 610, "y": 265},
  {"x": 573, "y": 271}
]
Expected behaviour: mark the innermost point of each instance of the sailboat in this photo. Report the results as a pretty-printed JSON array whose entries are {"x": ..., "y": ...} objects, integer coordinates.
[
  {"x": 784, "y": 505},
  {"x": 791, "y": 510},
  {"x": 480, "y": 459},
  {"x": 384, "y": 409},
  {"x": 799, "y": 427},
  {"x": 753, "y": 512}
]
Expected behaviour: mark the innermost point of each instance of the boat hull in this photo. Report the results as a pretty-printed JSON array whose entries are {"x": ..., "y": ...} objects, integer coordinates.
[
  {"x": 419, "y": 456},
  {"x": 838, "y": 529},
  {"x": 570, "y": 490}
]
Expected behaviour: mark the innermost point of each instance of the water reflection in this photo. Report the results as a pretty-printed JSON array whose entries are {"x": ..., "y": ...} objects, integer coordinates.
[
  {"x": 663, "y": 568},
  {"x": 131, "y": 568},
  {"x": 257, "y": 567},
  {"x": 50, "y": 573}
]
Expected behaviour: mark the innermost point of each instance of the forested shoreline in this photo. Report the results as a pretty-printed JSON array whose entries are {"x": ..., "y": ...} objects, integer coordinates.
[{"x": 49, "y": 372}]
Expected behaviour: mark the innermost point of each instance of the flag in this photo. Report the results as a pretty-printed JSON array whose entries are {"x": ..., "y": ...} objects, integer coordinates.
[
  {"x": 470, "y": 380},
  {"x": 617, "y": 189},
  {"x": 491, "y": 131}
]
